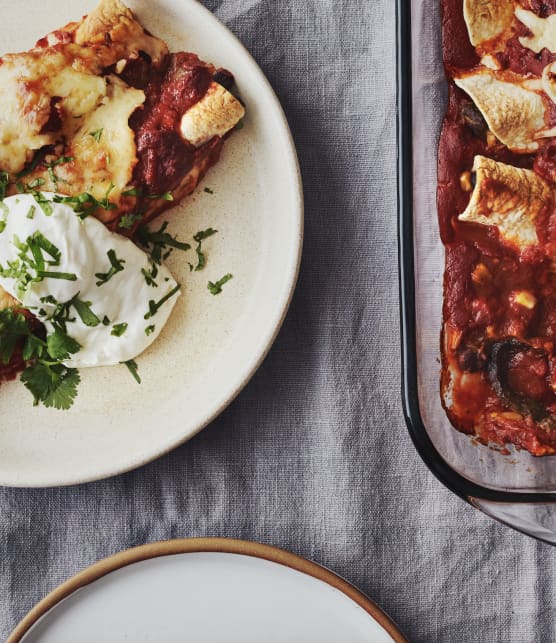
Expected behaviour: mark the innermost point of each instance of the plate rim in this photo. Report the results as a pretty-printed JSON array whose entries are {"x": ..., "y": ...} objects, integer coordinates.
[
  {"x": 260, "y": 353},
  {"x": 163, "y": 548}
]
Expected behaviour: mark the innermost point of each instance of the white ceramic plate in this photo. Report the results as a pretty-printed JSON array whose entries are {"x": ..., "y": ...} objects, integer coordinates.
[
  {"x": 212, "y": 344},
  {"x": 206, "y": 591}
]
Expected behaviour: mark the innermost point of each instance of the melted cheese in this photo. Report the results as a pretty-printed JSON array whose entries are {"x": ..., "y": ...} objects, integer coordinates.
[
  {"x": 28, "y": 82},
  {"x": 509, "y": 198},
  {"x": 487, "y": 19},
  {"x": 104, "y": 161},
  {"x": 543, "y": 30},
  {"x": 514, "y": 114},
  {"x": 214, "y": 115}
]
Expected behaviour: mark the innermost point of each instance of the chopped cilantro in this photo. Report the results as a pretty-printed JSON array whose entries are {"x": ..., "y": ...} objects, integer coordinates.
[
  {"x": 83, "y": 309},
  {"x": 116, "y": 265},
  {"x": 36, "y": 183},
  {"x": 85, "y": 203},
  {"x": 133, "y": 368},
  {"x": 96, "y": 134},
  {"x": 155, "y": 305},
  {"x": 45, "y": 204},
  {"x": 105, "y": 321},
  {"x": 49, "y": 274},
  {"x": 150, "y": 275},
  {"x": 149, "y": 330},
  {"x": 31, "y": 212},
  {"x": 4, "y": 180},
  {"x": 199, "y": 237},
  {"x": 119, "y": 329},
  {"x": 216, "y": 287},
  {"x": 157, "y": 241},
  {"x": 127, "y": 221},
  {"x": 167, "y": 196}
]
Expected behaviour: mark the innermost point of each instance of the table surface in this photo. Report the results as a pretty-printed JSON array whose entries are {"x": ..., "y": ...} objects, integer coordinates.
[{"x": 313, "y": 456}]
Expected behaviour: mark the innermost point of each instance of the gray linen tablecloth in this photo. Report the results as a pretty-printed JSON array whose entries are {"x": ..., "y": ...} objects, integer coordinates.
[{"x": 314, "y": 455}]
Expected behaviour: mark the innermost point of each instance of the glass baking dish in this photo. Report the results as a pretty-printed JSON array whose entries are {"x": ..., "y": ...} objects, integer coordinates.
[{"x": 517, "y": 489}]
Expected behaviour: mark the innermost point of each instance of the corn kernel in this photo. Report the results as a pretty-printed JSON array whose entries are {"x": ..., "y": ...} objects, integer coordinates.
[{"x": 525, "y": 298}]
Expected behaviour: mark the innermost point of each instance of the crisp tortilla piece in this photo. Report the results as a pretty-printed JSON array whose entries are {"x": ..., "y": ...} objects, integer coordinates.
[
  {"x": 514, "y": 114},
  {"x": 509, "y": 198}
]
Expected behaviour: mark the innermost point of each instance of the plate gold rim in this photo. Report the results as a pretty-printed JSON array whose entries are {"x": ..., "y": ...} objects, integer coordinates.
[{"x": 206, "y": 545}]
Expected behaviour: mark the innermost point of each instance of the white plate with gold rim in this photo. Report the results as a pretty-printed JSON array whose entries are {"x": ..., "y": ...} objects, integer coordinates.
[
  {"x": 206, "y": 590},
  {"x": 212, "y": 344}
]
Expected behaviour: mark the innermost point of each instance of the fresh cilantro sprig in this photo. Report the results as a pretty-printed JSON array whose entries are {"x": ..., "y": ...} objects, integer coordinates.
[{"x": 49, "y": 381}]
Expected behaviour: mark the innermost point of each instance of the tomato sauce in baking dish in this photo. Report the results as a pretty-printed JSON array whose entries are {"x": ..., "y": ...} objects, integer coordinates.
[{"x": 497, "y": 216}]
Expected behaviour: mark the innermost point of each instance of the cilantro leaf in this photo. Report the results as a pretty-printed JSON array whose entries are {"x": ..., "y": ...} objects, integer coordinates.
[
  {"x": 133, "y": 368},
  {"x": 53, "y": 385},
  {"x": 119, "y": 329},
  {"x": 199, "y": 237},
  {"x": 127, "y": 221},
  {"x": 116, "y": 265},
  {"x": 60, "y": 346},
  {"x": 83, "y": 309},
  {"x": 96, "y": 134},
  {"x": 156, "y": 241},
  {"x": 216, "y": 287}
]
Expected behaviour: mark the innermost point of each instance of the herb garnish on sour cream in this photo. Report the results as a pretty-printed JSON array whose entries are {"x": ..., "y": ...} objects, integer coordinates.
[{"x": 85, "y": 284}]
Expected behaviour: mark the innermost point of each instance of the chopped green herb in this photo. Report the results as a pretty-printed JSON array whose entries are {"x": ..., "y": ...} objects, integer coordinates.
[
  {"x": 157, "y": 241},
  {"x": 116, "y": 265},
  {"x": 4, "y": 180},
  {"x": 36, "y": 183},
  {"x": 31, "y": 212},
  {"x": 216, "y": 287},
  {"x": 208, "y": 191},
  {"x": 45, "y": 204},
  {"x": 3, "y": 225},
  {"x": 155, "y": 305},
  {"x": 167, "y": 196},
  {"x": 83, "y": 309},
  {"x": 60, "y": 345},
  {"x": 48, "y": 274},
  {"x": 199, "y": 237},
  {"x": 132, "y": 192},
  {"x": 105, "y": 321},
  {"x": 133, "y": 368},
  {"x": 119, "y": 329},
  {"x": 149, "y": 330},
  {"x": 150, "y": 275},
  {"x": 97, "y": 134},
  {"x": 127, "y": 221},
  {"x": 85, "y": 203},
  {"x": 29, "y": 168},
  {"x": 51, "y": 165}
]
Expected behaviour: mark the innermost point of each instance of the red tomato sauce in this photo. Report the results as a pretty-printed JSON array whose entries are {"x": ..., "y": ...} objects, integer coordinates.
[{"x": 498, "y": 346}]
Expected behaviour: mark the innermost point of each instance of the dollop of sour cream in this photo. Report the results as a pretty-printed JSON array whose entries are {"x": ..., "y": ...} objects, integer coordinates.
[{"x": 85, "y": 269}]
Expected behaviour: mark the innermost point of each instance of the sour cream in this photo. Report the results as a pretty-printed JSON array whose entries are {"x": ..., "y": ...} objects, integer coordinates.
[{"x": 130, "y": 309}]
